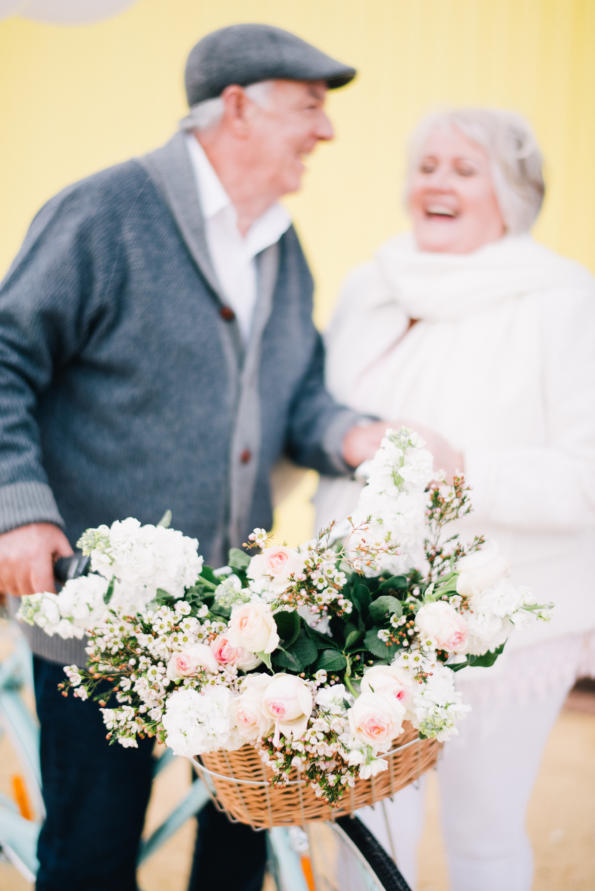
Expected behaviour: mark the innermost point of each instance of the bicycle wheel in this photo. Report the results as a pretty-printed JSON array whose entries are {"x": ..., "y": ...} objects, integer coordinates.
[{"x": 340, "y": 856}]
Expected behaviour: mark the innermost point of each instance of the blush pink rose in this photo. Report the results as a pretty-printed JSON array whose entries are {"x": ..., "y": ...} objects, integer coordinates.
[
  {"x": 442, "y": 627},
  {"x": 376, "y": 720},
  {"x": 253, "y": 627},
  {"x": 251, "y": 719},
  {"x": 276, "y": 565},
  {"x": 190, "y": 661},
  {"x": 390, "y": 681},
  {"x": 226, "y": 654},
  {"x": 288, "y": 701}
]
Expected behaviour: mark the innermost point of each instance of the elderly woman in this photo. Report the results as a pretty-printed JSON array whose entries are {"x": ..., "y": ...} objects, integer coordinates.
[{"x": 469, "y": 328}]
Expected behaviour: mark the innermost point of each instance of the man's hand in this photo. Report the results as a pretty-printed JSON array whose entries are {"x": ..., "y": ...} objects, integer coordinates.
[
  {"x": 361, "y": 442},
  {"x": 27, "y": 557}
]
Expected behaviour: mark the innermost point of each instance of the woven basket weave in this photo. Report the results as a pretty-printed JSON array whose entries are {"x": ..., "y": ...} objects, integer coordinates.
[{"x": 240, "y": 785}]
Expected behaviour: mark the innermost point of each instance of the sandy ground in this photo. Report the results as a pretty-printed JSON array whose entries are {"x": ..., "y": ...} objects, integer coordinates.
[{"x": 561, "y": 817}]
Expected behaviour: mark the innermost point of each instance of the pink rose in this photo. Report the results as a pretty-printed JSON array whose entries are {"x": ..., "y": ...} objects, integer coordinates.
[
  {"x": 226, "y": 654},
  {"x": 288, "y": 701},
  {"x": 190, "y": 661},
  {"x": 252, "y": 626},
  {"x": 276, "y": 565},
  {"x": 440, "y": 626},
  {"x": 376, "y": 720},
  {"x": 388, "y": 680}
]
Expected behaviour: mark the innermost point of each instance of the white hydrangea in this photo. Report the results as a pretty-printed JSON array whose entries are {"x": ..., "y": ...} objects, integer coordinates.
[
  {"x": 389, "y": 519},
  {"x": 494, "y": 612},
  {"x": 436, "y": 706},
  {"x": 200, "y": 722},
  {"x": 142, "y": 559},
  {"x": 69, "y": 614},
  {"x": 333, "y": 699}
]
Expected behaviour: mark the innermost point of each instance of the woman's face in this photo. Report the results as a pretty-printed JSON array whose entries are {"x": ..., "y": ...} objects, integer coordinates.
[{"x": 451, "y": 197}]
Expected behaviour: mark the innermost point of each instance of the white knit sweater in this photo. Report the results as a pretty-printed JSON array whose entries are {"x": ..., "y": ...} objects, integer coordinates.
[{"x": 502, "y": 363}]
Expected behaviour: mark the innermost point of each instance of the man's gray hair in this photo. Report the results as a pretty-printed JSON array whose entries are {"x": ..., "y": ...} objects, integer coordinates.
[
  {"x": 515, "y": 157},
  {"x": 206, "y": 114}
]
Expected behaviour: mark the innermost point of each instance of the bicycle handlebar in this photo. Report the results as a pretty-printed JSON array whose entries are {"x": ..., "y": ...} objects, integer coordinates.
[{"x": 66, "y": 568}]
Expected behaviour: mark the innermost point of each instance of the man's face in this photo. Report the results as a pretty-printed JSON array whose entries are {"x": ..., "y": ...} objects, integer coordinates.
[{"x": 286, "y": 131}]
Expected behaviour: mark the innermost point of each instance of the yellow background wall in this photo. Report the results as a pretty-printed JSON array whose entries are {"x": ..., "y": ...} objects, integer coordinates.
[{"x": 77, "y": 98}]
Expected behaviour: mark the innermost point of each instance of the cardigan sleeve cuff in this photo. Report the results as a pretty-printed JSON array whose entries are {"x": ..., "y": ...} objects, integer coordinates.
[{"x": 28, "y": 502}]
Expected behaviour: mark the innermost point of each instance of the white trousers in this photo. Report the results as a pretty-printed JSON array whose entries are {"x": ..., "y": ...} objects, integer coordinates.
[{"x": 485, "y": 775}]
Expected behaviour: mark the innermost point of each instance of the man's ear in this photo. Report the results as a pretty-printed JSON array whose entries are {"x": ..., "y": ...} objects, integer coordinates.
[{"x": 236, "y": 110}]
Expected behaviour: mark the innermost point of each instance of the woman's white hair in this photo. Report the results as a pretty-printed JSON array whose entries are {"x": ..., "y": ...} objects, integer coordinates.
[
  {"x": 206, "y": 114},
  {"x": 515, "y": 157}
]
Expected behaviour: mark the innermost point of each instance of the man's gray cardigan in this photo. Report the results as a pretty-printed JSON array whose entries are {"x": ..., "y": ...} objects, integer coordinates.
[{"x": 125, "y": 388}]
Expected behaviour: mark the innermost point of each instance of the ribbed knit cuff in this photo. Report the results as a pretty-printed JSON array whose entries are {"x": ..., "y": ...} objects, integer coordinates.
[{"x": 30, "y": 502}]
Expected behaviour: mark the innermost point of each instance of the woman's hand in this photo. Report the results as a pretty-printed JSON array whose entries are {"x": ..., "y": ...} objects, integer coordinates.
[{"x": 446, "y": 457}]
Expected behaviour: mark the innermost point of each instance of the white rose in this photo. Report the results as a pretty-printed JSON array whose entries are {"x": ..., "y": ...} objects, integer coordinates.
[
  {"x": 252, "y": 626},
  {"x": 276, "y": 565},
  {"x": 188, "y": 662},
  {"x": 376, "y": 720},
  {"x": 390, "y": 681},
  {"x": 287, "y": 700},
  {"x": 480, "y": 570},
  {"x": 442, "y": 627}
]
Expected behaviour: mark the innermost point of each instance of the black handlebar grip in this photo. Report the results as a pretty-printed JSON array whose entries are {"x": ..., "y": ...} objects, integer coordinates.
[{"x": 66, "y": 568}]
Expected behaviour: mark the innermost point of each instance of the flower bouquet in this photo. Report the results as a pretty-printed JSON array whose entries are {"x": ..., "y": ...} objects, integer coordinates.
[{"x": 307, "y": 682}]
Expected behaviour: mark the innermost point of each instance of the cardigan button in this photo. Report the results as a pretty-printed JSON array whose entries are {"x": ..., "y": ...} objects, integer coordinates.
[
  {"x": 227, "y": 313},
  {"x": 246, "y": 456}
]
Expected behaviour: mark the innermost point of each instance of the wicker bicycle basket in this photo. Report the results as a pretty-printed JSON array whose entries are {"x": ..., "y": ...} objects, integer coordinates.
[{"x": 240, "y": 784}]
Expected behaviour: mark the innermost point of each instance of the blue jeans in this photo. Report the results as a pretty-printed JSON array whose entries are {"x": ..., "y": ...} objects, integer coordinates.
[{"x": 96, "y": 795}]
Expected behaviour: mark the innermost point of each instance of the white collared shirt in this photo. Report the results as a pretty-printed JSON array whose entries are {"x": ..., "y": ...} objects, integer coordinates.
[{"x": 233, "y": 255}]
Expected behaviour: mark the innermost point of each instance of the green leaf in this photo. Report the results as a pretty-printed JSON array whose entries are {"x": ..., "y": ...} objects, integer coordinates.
[
  {"x": 360, "y": 597},
  {"x": 377, "y": 647},
  {"x": 486, "y": 660},
  {"x": 238, "y": 559},
  {"x": 331, "y": 660},
  {"x": 109, "y": 592},
  {"x": 352, "y": 637},
  {"x": 447, "y": 585},
  {"x": 297, "y": 657},
  {"x": 395, "y": 583},
  {"x": 288, "y": 626},
  {"x": 385, "y": 606}
]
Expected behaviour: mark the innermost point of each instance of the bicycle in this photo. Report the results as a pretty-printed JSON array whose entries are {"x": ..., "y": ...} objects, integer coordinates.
[{"x": 339, "y": 856}]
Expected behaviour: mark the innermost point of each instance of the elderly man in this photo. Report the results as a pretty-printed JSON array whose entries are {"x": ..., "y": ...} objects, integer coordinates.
[{"x": 157, "y": 351}]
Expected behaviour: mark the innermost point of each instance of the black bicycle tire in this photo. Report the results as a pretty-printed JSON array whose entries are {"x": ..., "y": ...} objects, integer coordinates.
[{"x": 381, "y": 864}]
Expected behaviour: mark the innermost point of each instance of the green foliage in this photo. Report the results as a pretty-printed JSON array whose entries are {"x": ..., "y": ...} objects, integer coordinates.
[
  {"x": 331, "y": 660},
  {"x": 288, "y": 627},
  {"x": 109, "y": 592},
  {"x": 238, "y": 560},
  {"x": 377, "y": 647},
  {"x": 383, "y": 607},
  {"x": 487, "y": 659}
]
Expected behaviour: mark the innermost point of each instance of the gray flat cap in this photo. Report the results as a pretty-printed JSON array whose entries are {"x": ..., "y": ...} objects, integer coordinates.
[{"x": 245, "y": 54}]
